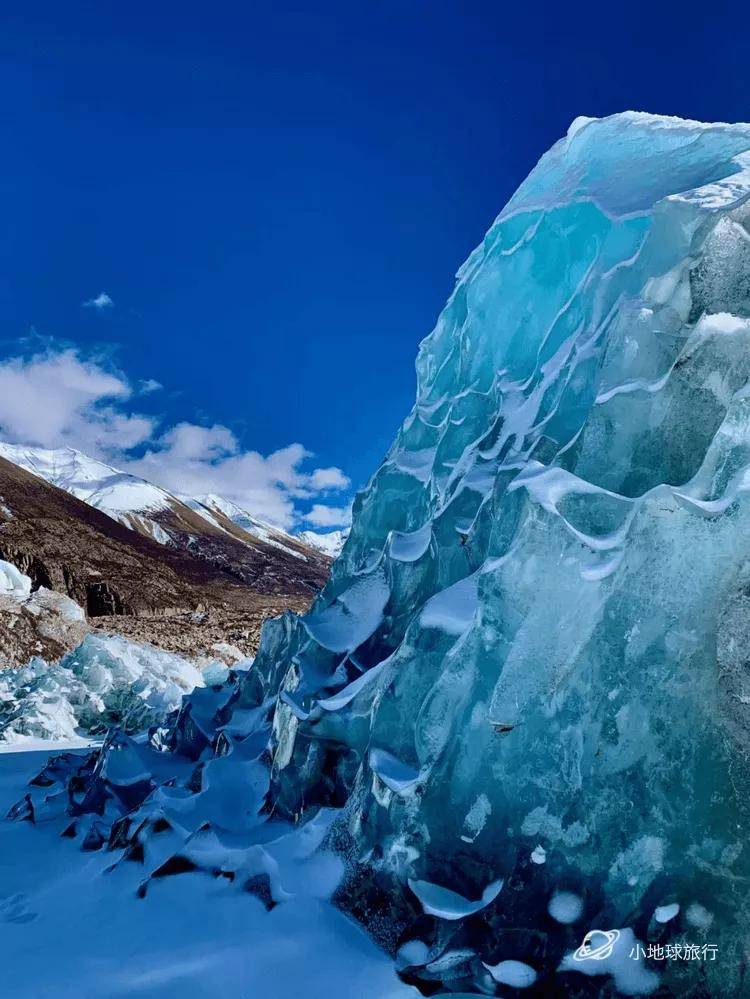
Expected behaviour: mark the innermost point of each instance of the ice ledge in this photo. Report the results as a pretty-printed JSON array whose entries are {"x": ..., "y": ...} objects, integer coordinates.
[
  {"x": 664, "y": 156},
  {"x": 653, "y": 120}
]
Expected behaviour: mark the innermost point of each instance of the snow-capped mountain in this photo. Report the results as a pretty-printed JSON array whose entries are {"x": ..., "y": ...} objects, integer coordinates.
[
  {"x": 143, "y": 562},
  {"x": 155, "y": 512},
  {"x": 217, "y": 510},
  {"x": 126, "y": 498},
  {"x": 329, "y": 543}
]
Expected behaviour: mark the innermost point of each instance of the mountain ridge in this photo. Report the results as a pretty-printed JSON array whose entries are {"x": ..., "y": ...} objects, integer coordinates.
[
  {"x": 148, "y": 508},
  {"x": 208, "y": 587}
]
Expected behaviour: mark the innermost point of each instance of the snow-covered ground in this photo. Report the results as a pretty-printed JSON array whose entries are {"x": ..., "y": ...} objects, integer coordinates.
[
  {"x": 71, "y": 923},
  {"x": 70, "y": 930}
]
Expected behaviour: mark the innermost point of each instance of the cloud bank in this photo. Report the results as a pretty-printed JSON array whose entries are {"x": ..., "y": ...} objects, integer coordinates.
[{"x": 57, "y": 398}]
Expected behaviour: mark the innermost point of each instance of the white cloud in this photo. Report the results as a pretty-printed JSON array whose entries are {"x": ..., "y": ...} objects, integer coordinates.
[
  {"x": 190, "y": 442},
  {"x": 101, "y": 302},
  {"x": 56, "y": 398},
  {"x": 148, "y": 385},
  {"x": 193, "y": 460},
  {"x": 329, "y": 516},
  {"x": 329, "y": 478}
]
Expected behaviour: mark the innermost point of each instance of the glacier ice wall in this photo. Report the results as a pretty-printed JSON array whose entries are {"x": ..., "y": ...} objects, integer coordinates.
[{"x": 528, "y": 675}]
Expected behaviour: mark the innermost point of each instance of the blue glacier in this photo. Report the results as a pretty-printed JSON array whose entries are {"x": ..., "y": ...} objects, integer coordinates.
[{"x": 519, "y": 712}]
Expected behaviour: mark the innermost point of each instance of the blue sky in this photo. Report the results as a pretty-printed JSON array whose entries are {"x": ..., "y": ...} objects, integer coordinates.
[{"x": 276, "y": 198}]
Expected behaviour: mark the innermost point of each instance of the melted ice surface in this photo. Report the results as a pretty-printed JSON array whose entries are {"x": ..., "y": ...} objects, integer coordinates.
[{"x": 439, "y": 901}]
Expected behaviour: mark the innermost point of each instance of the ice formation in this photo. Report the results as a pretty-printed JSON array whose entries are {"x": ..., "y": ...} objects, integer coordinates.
[
  {"x": 542, "y": 607},
  {"x": 105, "y": 681},
  {"x": 13, "y": 583}
]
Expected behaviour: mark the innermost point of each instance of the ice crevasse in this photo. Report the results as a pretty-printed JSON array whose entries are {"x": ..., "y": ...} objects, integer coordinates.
[{"x": 527, "y": 678}]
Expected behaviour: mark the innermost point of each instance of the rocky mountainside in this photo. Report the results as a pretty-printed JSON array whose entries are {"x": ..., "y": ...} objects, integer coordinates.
[
  {"x": 181, "y": 521},
  {"x": 232, "y": 518},
  {"x": 209, "y": 584}
]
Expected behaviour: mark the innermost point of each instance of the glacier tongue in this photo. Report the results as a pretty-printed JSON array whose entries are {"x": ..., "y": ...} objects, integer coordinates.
[{"x": 546, "y": 582}]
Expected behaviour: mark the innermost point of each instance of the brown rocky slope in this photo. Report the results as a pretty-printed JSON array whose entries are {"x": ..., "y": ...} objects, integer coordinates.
[{"x": 134, "y": 586}]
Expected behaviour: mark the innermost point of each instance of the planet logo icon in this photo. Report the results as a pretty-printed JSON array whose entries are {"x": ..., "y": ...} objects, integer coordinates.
[{"x": 597, "y": 945}]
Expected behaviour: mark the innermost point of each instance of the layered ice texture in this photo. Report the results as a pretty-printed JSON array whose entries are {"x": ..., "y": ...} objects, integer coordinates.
[{"x": 524, "y": 693}]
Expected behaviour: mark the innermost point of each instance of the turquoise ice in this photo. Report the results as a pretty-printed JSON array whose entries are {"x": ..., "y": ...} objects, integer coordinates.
[
  {"x": 549, "y": 571},
  {"x": 536, "y": 638}
]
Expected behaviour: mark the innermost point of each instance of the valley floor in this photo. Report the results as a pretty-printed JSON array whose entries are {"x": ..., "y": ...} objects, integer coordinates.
[{"x": 70, "y": 931}]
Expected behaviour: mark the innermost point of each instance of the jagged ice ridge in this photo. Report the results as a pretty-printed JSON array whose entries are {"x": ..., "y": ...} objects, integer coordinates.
[{"x": 106, "y": 680}]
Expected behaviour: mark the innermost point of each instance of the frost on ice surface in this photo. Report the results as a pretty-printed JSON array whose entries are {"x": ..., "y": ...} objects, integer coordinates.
[
  {"x": 630, "y": 974},
  {"x": 698, "y": 916},
  {"x": 453, "y": 609},
  {"x": 476, "y": 818},
  {"x": 410, "y": 547},
  {"x": 394, "y": 774},
  {"x": 412, "y": 952},
  {"x": 343, "y": 697},
  {"x": 542, "y": 606},
  {"x": 353, "y": 617}
]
